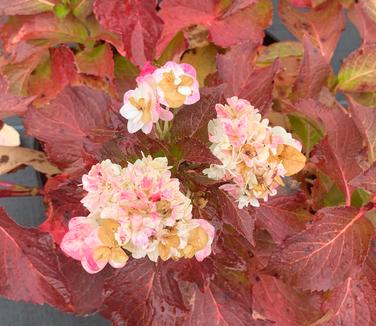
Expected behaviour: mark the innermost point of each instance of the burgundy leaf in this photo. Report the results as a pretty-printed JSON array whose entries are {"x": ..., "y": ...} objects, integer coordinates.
[
  {"x": 282, "y": 216},
  {"x": 283, "y": 304},
  {"x": 235, "y": 69},
  {"x": 77, "y": 115},
  {"x": 314, "y": 71},
  {"x": 367, "y": 180},
  {"x": 339, "y": 153},
  {"x": 323, "y": 25},
  {"x": 364, "y": 22},
  {"x": 194, "y": 151},
  {"x": 126, "y": 148},
  {"x": 11, "y": 104},
  {"x": 365, "y": 119},
  {"x": 238, "y": 218},
  {"x": 352, "y": 304},
  {"x": 136, "y": 21},
  {"x": 97, "y": 61},
  {"x": 51, "y": 77},
  {"x": 35, "y": 270},
  {"x": 226, "y": 26},
  {"x": 327, "y": 253},
  {"x": 63, "y": 198},
  {"x": 152, "y": 292},
  {"x": 47, "y": 26},
  {"x": 193, "y": 119}
]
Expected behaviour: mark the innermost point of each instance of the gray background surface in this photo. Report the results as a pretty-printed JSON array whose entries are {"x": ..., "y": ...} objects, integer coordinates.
[{"x": 29, "y": 211}]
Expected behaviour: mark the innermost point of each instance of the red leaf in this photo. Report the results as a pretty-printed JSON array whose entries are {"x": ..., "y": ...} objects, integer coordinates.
[
  {"x": 63, "y": 198},
  {"x": 11, "y": 104},
  {"x": 301, "y": 3},
  {"x": 239, "y": 219},
  {"x": 77, "y": 115},
  {"x": 367, "y": 180},
  {"x": 152, "y": 292},
  {"x": 136, "y": 21},
  {"x": 283, "y": 304},
  {"x": 281, "y": 216},
  {"x": 34, "y": 270},
  {"x": 314, "y": 71},
  {"x": 365, "y": 119},
  {"x": 324, "y": 255},
  {"x": 97, "y": 61},
  {"x": 322, "y": 25},
  {"x": 226, "y": 26},
  {"x": 351, "y": 304},
  {"x": 235, "y": 69},
  {"x": 47, "y": 26},
  {"x": 193, "y": 119},
  {"x": 365, "y": 24},
  {"x": 25, "y": 7},
  {"x": 339, "y": 153},
  {"x": 195, "y": 151},
  {"x": 53, "y": 75}
]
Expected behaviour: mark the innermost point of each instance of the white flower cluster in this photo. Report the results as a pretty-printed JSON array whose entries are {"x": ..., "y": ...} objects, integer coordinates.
[{"x": 254, "y": 155}]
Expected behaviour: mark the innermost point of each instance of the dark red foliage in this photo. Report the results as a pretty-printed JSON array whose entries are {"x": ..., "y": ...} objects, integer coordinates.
[{"x": 76, "y": 116}]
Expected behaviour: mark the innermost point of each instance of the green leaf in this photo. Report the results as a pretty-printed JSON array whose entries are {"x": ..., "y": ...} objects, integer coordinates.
[
  {"x": 358, "y": 72},
  {"x": 61, "y": 11},
  {"x": 280, "y": 50},
  {"x": 203, "y": 60},
  {"x": 307, "y": 130},
  {"x": 175, "y": 47},
  {"x": 359, "y": 197},
  {"x": 82, "y": 8}
]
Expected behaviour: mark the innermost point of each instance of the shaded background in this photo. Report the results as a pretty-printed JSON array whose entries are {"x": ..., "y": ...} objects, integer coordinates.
[{"x": 29, "y": 211}]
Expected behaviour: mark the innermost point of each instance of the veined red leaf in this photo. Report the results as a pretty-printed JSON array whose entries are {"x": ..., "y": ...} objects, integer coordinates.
[
  {"x": 367, "y": 180},
  {"x": 313, "y": 73},
  {"x": 190, "y": 120},
  {"x": 365, "y": 119},
  {"x": 237, "y": 71},
  {"x": 339, "y": 154},
  {"x": 323, "y": 256},
  {"x": 153, "y": 292},
  {"x": 194, "y": 151},
  {"x": 239, "y": 219},
  {"x": 227, "y": 26},
  {"x": 17, "y": 73},
  {"x": 282, "y": 216},
  {"x": 77, "y": 115},
  {"x": 51, "y": 76},
  {"x": 136, "y": 21},
  {"x": 35, "y": 270},
  {"x": 323, "y": 25},
  {"x": 48, "y": 27},
  {"x": 97, "y": 61},
  {"x": 283, "y": 304},
  {"x": 63, "y": 198},
  {"x": 12, "y": 104},
  {"x": 352, "y": 304},
  {"x": 364, "y": 22},
  {"x": 25, "y": 7}
]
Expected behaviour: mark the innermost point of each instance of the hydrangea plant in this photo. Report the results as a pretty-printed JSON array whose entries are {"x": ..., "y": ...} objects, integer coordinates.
[{"x": 194, "y": 174}]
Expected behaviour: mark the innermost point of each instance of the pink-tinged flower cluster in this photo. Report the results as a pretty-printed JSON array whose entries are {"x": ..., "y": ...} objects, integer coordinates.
[
  {"x": 254, "y": 155},
  {"x": 171, "y": 86},
  {"x": 138, "y": 210}
]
